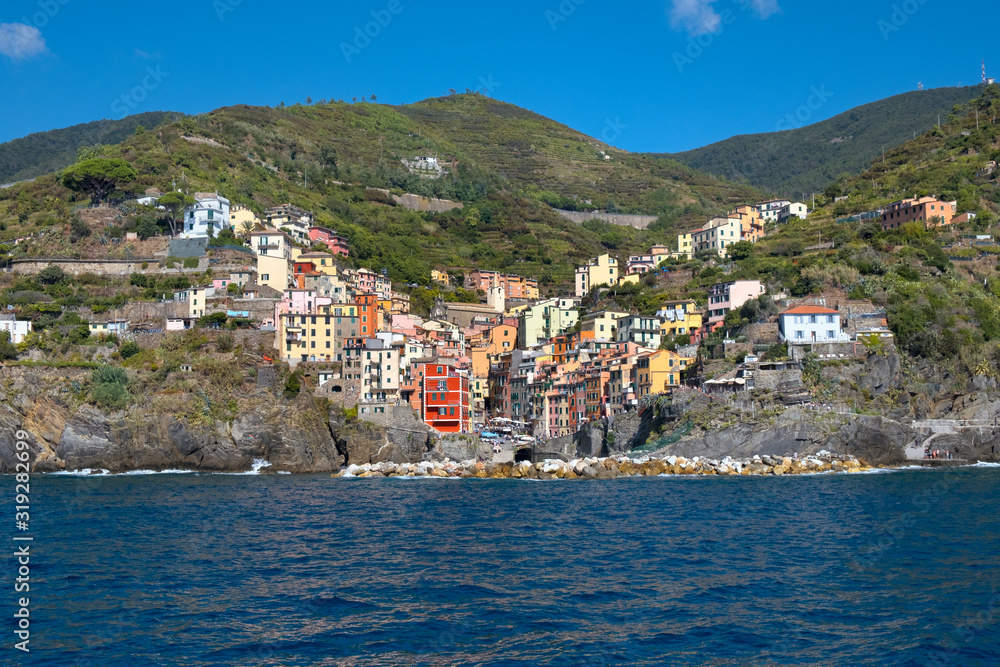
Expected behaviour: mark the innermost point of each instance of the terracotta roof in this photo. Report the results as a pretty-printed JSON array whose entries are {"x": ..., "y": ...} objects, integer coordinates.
[{"x": 811, "y": 310}]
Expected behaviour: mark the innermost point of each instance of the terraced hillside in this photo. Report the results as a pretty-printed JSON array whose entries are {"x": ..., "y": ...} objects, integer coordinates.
[{"x": 507, "y": 165}]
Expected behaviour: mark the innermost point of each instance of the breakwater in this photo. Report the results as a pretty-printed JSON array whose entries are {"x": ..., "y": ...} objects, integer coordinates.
[{"x": 612, "y": 467}]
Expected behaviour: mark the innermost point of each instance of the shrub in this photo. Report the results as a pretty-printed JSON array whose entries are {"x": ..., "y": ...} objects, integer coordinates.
[
  {"x": 129, "y": 349},
  {"x": 7, "y": 349},
  {"x": 52, "y": 275},
  {"x": 225, "y": 342},
  {"x": 292, "y": 386},
  {"x": 110, "y": 387}
]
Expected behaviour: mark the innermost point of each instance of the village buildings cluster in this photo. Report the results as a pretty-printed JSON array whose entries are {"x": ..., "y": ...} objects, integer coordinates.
[{"x": 546, "y": 364}]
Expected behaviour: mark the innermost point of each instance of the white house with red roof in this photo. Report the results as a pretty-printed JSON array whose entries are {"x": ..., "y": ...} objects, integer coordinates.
[{"x": 811, "y": 324}]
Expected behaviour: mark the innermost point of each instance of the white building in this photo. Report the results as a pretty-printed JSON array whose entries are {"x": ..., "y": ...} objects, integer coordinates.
[
  {"x": 811, "y": 324},
  {"x": 210, "y": 211},
  {"x": 770, "y": 210},
  {"x": 643, "y": 331},
  {"x": 17, "y": 329},
  {"x": 796, "y": 209}
]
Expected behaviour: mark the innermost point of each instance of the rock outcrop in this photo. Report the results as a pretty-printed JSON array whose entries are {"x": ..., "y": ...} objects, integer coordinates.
[{"x": 65, "y": 434}]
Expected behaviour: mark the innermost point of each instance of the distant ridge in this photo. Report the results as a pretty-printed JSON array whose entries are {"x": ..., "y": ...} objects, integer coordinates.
[
  {"x": 807, "y": 159},
  {"x": 44, "y": 152}
]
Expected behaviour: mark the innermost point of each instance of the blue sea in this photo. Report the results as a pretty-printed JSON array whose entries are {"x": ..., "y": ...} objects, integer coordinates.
[{"x": 891, "y": 568}]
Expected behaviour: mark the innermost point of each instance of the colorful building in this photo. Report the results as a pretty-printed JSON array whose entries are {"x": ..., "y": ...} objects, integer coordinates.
[
  {"x": 926, "y": 210},
  {"x": 445, "y": 399},
  {"x": 602, "y": 270},
  {"x": 336, "y": 243}
]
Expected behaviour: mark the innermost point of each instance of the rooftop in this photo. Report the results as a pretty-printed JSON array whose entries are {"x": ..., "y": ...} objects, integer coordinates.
[{"x": 811, "y": 310}]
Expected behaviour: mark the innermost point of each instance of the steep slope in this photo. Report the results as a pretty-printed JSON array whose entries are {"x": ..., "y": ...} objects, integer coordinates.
[
  {"x": 45, "y": 152},
  {"x": 807, "y": 159}
]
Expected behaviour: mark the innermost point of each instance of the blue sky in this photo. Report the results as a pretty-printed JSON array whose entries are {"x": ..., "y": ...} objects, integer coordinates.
[{"x": 650, "y": 75}]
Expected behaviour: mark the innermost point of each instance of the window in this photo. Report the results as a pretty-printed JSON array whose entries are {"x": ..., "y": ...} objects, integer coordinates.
[
  {"x": 829, "y": 319},
  {"x": 829, "y": 334},
  {"x": 799, "y": 334},
  {"x": 265, "y": 277}
]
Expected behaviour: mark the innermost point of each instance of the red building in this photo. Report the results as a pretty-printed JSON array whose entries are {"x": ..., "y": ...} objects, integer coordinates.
[
  {"x": 336, "y": 243},
  {"x": 445, "y": 400}
]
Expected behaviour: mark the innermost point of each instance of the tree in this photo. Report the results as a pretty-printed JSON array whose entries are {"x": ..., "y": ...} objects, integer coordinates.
[
  {"x": 99, "y": 177},
  {"x": 78, "y": 229},
  {"x": 741, "y": 250},
  {"x": 833, "y": 191},
  {"x": 146, "y": 226},
  {"x": 246, "y": 229},
  {"x": 7, "y": 349},
  {"x": 175, "y": 203},
  {"x": 51, "y": 275}
]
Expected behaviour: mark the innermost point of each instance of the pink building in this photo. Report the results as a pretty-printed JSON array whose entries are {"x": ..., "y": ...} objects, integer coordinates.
[
  {"x": 725, "y": 297},
  {"x": 300, "y": 302},
  {"x": 336, "y": 243}
]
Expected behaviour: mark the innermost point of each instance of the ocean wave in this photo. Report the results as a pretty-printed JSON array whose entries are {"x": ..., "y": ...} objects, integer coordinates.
[
  {"x": 255, "y": 468},
  {"x": 983, "y": 464}
]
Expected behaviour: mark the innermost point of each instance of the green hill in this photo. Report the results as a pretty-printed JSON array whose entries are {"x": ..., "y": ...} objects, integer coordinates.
[
  {"x": 45, "y": 152},
  {"x": 807, "y": 159},
  {"x": 507, "y": 165}
]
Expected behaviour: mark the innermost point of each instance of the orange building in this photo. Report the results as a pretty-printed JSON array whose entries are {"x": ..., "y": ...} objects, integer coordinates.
[{"x": 928, "y": 210}]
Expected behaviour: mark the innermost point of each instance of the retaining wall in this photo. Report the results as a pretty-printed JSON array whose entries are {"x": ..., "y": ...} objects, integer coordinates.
[{"x": 622, "y": 220}]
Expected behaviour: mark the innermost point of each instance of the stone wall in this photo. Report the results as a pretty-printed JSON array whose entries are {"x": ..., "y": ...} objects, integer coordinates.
[
  {"x": 772, "y": 380},
  {"x": 827, "y": 351},
  {"x": 634, "y": 221},
  {"x": 104, "y": 267},
  {"x": 260, "y": 309}
]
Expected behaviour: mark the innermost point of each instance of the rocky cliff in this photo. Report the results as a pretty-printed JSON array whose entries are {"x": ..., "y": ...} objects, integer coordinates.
[{"x": 66, "y": 433}]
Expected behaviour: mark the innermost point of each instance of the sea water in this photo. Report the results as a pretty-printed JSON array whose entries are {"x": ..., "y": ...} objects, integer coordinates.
[{"x": 901, "y": 568}]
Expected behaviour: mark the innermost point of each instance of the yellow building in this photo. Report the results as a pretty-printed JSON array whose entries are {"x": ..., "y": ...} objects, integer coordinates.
[
  {"x": 318, "y": 336},
  {"x": 323, "y": 261},
  {"x": 680, "y": 318},
  {"x": 274, "y": 258},
  {"x": 684, "y": 248},
  {"x": 243, "y": 218},
  {"x": 660, "y": 371},
  {"x": 598, "y": 271},
  {"x": 601, "y": 326},
  {"x": 440, "y": 277},
  {"x": 630, "y": 280}
]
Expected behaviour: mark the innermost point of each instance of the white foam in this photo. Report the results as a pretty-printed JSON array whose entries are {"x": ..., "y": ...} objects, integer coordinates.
[
  {"x": 86, "y": 472},
  {"x": 255, "y": 468},
  {"x": 984, "y": 464}
]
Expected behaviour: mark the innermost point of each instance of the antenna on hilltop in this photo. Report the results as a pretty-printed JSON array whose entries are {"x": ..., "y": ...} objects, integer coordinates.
[
  {"x": 920, "y": 85},
  {"x": 984, "y": 70}
]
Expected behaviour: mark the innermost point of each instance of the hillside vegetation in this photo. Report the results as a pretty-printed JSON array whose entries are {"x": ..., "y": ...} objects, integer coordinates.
[
  {"x": 507, "y": 166},
  {"x": 797, "y": 162},
  {"x": 45, "y": 152}
]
